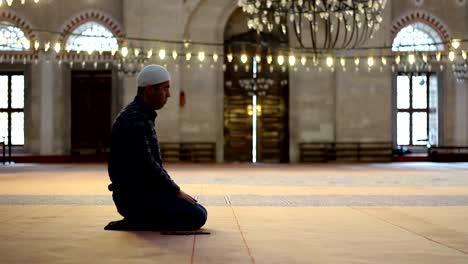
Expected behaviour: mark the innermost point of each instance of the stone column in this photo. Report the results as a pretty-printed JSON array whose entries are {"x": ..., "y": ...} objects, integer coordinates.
[
  {"x": 461, "y": 115},
  {"x": 45, "y": 85}
]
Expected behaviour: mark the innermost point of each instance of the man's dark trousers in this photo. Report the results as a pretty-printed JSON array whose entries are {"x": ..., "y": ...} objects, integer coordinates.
[{"x": 149, "y": 211}]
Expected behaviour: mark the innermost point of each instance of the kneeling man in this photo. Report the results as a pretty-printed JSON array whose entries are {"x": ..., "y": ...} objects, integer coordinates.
[{"x": 143, "y": 192}]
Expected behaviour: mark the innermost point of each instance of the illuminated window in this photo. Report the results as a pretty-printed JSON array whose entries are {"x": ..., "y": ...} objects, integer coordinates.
[
  {"x": 12, "y": 108},
  {"x": 12, "y": 37},
  {"x": 417, "y": 37},
  {"x": 416, "y": 101},
  {"x": 92, "y": 36},
  {"x": 417, "y": 95}
]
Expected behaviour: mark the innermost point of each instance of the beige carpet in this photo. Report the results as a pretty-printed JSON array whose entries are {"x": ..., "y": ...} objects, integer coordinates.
[{"x": 344, "y": 213}]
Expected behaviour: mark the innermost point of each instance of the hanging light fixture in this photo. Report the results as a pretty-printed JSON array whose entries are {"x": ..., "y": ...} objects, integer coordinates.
[
  {"x": 370, "y": 61},
  {"x": 244, "y": 58},
  {"x": 124, "y": 51},
  {"x": 269, "y": 58},
  {"x": 343, "y": 62},
  {"x": 317, "y": 24},
  {"x": 292, "y": 60},
  {"x": 280, "y": 59},
  {"x": 201, "y": 56},
  {"x": 162, "y": 54},
  {"x": 330, "y": 61},
  {"x": 303, "y": 60},
  {"x": 384, "y": 61}
]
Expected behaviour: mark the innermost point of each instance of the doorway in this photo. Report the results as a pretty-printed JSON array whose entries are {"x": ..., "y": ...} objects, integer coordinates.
[
  {"x": 90, "y": 111},
  {"x": 256, "y": 97},
  {"x": 417, "y": 116}
]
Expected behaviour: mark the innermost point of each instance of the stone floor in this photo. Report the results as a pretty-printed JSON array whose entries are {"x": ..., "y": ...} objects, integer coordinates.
[{"x": 333, "y": 213}]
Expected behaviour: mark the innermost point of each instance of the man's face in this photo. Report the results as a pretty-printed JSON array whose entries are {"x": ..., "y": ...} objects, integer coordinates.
[{"x": 156, "y": 95}]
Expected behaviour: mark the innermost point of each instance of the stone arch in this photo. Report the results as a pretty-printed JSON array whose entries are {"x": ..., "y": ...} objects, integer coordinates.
[
  {"x": 91, "y": 16},
  {"x": 221, "y": 10},
  {"x": 25, "y": 26},
  {"x": 424, "y": 17}
]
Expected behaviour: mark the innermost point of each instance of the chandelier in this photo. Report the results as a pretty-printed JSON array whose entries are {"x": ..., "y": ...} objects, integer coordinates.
[{"x": 317, "y": 24}]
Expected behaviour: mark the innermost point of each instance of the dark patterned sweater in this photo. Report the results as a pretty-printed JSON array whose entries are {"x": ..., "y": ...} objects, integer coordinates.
[{"x": 135, "y": 163}]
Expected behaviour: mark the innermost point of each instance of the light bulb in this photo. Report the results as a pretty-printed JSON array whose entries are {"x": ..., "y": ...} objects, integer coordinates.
[
  {"x": 230, "y": 57},
  {"x": 330, "y": 61},
  {"x": 188, "y": 55},
  {"x": 174, "y": 54},
  {"x": 280, "y": 60},
  {"x": 215, "y": 57},
  {"x": 411, "y": 59},
  {"x": 47, "y": 46},
  {"x": 384, "y": 61},
  {"x": 451, "y": 55},
  {"x": 370, "y": 61},
  {"x": 57, "y": 47},
  {"x": 124, "y": 51},
  {"x": 258, "y": 58},
  {"x": 292, "y": 60},
  {"x": 162, "y": 54},
  {"x": 397, "y": 59},
  {"x": 136, "y": 52},
  {"x": 455, "y": 43},
  {"x": 269, "y": 59},
  {"x": 149, "y": 54},
  {"x": 303, "y": 60},
  {"x": 343, "y": 62},
  {"x": 201, "y": 56},
  {"x": 244, "y": 58}
]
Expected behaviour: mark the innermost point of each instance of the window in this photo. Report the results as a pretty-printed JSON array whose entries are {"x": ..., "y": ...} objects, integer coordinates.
[
  {"x": 12, "y": 108},
  {"x": 417, "y": 92},
  {"x": 12, "y": 38},
  {"x": 414, "y": 99},
  {"x": 417, "y": 37},
  {"x": 92, "y": 36}
]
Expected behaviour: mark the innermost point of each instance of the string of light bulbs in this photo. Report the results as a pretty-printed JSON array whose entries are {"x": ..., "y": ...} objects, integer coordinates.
[
  {"x": 10, "y": 2},
  {"x": 132, "y": 52}
]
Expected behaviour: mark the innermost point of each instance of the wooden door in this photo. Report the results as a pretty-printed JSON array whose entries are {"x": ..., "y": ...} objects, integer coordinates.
[
  {"x": 272, "y": 110},
  {"x": 91, "y": 111}
]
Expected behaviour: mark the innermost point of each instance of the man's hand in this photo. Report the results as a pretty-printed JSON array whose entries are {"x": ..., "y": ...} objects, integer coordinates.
[{"x": 188, "y": 198}]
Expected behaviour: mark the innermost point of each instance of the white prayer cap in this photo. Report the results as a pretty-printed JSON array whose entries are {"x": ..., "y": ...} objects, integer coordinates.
[{"x": 152, "y": 74}]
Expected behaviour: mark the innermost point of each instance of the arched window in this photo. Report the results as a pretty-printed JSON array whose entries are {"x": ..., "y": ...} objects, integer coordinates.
[
  {"x": 417, "y": 96},
  {"x": 92, "y": 36},
  {"x": 12, "y": 38},
  {"x": 417, "y": 37}
]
